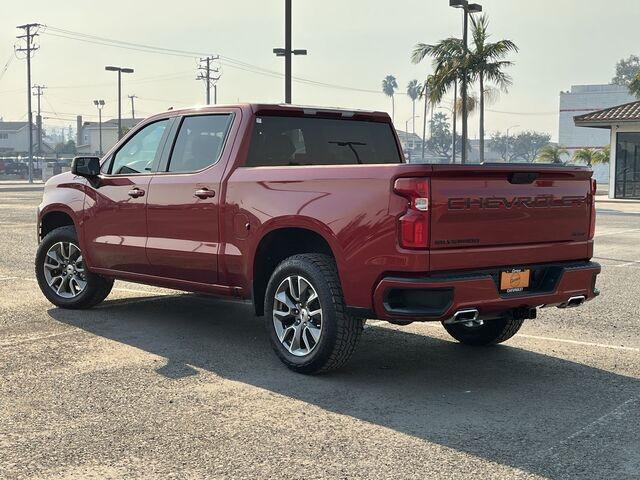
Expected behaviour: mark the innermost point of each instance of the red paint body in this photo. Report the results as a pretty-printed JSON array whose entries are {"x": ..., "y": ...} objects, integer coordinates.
[{"x": 170, "y": 238}]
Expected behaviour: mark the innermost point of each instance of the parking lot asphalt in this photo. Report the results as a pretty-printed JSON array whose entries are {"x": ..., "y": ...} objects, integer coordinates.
[{"x": 160, "y": 384}]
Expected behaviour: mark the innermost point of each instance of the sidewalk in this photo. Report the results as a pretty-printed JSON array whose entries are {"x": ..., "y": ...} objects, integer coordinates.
[
  {"x": 21, "y": 186},
  {"x": 605, "y": 199}
]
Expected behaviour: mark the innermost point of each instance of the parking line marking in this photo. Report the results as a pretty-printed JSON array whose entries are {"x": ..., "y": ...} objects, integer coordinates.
[
  {"x": 559, "y": 340},
  {"x": 8, "y": 278},
  {"x": 578, "y": 342},
  {"x": 617, "y": 412}
]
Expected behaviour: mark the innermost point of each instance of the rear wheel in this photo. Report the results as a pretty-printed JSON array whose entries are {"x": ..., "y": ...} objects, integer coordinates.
[
  {"x": 305, "y": 315},
  {"x": 61, "y": 272},
  {"x": 487, "y": 332}
]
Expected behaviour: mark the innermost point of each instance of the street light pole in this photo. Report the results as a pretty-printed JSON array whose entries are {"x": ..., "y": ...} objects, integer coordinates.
[
  {"x": 99, "y": 105},
  {"x": 508, "y": 141},
  {"x": 425, "y": 92},
  {"x": 286, "y": 52},
  {"x": 467, "y": 9},
  {"x": 120, "y": 71}
]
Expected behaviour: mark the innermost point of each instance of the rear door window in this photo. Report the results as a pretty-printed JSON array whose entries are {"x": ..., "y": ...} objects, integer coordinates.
[
  {"x": 278, "y": 141},
  {"x": 199, "y": 142}
]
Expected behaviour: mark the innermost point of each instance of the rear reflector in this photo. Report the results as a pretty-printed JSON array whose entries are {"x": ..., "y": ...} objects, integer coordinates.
[
  {"x": 592, "y": 221},
  {"x": 414, "y": 224}
]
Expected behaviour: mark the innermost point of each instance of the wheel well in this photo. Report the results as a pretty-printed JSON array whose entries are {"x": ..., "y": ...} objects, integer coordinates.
[
  {"x": 53, "y": 220},
  {"x": 274, "y": 248}
]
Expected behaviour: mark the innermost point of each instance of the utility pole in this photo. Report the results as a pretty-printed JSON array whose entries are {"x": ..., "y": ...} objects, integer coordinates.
[
  {"x": 38, "y": 93},
  {"x": 133, "y": 110},
  {"x": 31, "y": 31},
  {"x": 286, "y": 52},
  {"x": 120, "y": 71},
  {"x": 210, "y": 74}
]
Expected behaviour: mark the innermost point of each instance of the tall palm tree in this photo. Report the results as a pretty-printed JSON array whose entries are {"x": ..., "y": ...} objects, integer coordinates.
[
  {"x": 552, "y": 154},
  {"x": 448, "y": 58},
  {"x": 413, "y": 91},
  {"x": 487, "y": 62},
  {"x": 389, "y": 85}
]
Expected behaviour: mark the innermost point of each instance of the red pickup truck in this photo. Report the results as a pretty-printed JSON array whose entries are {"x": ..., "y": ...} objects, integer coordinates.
[{"x": 314, "y": 215}]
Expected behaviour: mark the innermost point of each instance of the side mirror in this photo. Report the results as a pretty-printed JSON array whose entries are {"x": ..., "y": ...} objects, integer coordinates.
[{"x": 86, "y": 166}]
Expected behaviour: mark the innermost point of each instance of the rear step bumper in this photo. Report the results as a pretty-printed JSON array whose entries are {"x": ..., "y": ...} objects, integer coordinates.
[{"x": 456, "y": 295}]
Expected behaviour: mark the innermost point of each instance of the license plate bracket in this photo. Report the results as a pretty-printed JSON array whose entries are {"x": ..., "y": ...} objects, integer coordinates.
[{"x": 515, "y": 279}]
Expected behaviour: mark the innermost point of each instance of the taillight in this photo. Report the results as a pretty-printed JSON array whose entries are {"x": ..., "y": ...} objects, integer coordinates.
[
  {"x": 592, "y": 222},
  {"x": 414, "y": 224}
]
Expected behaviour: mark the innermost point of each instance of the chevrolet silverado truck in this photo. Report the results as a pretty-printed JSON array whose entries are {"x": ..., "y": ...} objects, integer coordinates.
[{"x": 314, "y": 216}]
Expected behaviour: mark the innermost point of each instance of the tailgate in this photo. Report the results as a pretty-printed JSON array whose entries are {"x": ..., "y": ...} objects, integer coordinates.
[{"x": 490, "y": 205}]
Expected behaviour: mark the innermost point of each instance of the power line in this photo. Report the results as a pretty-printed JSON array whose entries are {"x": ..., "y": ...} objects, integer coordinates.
[{"x": 6, "y": 65}]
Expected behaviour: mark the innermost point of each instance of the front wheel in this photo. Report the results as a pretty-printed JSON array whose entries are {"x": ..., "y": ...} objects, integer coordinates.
[
  {"x": 305, "y": 315},
  {"x": 487, "y": 332},
  {"x": 61, "y": 272}
]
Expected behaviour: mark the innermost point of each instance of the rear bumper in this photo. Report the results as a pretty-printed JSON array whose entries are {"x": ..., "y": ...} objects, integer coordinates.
[{"x": 438, "y": 297}]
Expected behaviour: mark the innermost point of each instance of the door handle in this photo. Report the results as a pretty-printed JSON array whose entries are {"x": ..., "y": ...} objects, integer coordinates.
[
  {"x": 136, "y": 192},
  {"x": 204, "y": 193}
]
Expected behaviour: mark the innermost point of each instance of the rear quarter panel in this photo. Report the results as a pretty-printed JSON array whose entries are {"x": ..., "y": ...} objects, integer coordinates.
[{"x": 352, "y": 207}]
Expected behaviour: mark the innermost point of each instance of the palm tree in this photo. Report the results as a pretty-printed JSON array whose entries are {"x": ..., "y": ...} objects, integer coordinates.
[
  {"x": 389, "y": 85},
  {"x": 552, "y": 154},
  {"x": 586, "y": 155},
  {"x": 413, "y": 91},
  {"x": 487, "y": 62},
  {"x": 448, "y": 58}
]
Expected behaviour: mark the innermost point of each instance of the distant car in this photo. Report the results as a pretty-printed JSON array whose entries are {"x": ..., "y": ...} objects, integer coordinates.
[
  {"x": 314, "y": 215},
  {"x": 15, "y": 168}
]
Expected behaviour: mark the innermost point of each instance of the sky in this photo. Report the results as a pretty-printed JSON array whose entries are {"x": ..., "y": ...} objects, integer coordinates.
[{"x": 350, "y": 43}]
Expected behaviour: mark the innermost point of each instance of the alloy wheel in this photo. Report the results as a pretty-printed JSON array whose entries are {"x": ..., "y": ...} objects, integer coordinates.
[
  {"x": 64, "y": 270},
  {"x": 297, "y": 315}
]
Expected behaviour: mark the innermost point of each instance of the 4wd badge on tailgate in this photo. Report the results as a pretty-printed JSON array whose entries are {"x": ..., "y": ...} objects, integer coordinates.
[{"x": 514, "y": 280}]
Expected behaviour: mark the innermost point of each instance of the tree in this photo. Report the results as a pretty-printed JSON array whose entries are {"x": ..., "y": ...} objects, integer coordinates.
[
  {"x": 528, "y": 144},
  {"x": 448, "y": 57},
  {"x": 627, "y": 69},
  {"x": 389, "y": 85},
  {"x": 524, "y": 146},
  {"x": 552, "y": 154},
  {"x": 440, "y": 142},
  {"x": 66, "y": 148},
  {"x": 634, "y": 86},
  {"x": 592, "y": 156},
  {"x": 413, "y": 91},
  {"x": 487, "y": 63},
  {"x": 503, "y": 145},
  {"x": 484, "y": 62}
]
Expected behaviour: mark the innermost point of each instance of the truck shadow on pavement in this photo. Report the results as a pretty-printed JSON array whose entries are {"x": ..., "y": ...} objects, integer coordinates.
[{"x": 504, "y": 404}]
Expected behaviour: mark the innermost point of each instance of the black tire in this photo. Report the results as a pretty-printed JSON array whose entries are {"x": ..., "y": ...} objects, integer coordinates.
[
  {"x": 97, "y": 287},
  {"x": 490, "y": 332},
  {"x": 339, "y": 330}
]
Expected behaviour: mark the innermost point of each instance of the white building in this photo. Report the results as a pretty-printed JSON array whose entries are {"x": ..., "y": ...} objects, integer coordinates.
[
  {"x": 88, "y": 137},
  {"x": 14, "y": 137},
  {"x": 623, "y": 123},
  {"x": 583, "y": 99}
]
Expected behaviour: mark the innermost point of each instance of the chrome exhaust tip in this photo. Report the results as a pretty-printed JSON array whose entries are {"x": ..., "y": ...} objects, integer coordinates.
[
  {"x": 463, "y": 316},
  {"x": 573, "y": 302}
]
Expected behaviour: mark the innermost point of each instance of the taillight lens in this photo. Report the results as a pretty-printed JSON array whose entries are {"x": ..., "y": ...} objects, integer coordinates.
[
  {"x": 592, "y": 222},
  {"x": 414, "y": 224}
]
